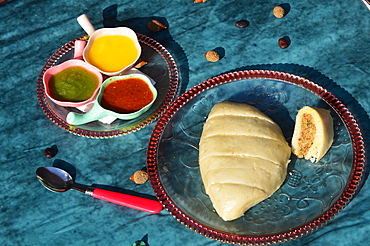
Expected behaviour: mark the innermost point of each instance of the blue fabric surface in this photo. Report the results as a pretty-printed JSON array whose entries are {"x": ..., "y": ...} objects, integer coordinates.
[{"x": 327, "y": 37}]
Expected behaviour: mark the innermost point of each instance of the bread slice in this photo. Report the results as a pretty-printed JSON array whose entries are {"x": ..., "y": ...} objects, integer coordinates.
[
  {"x": 313, "y": 133},
  {"x": 243, "y": 158}
]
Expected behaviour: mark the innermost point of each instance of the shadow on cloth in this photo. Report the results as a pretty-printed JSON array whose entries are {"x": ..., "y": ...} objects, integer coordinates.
[{"x": 139, "y": 25}]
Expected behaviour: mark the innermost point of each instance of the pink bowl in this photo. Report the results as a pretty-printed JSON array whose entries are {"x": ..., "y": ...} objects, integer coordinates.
[{"x": 71, "y": 63}]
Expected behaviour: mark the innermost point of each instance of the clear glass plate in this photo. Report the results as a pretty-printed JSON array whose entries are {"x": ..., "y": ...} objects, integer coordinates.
[
  {"x": 312, "y": 194},
  {"x": 160, "y": 66}
]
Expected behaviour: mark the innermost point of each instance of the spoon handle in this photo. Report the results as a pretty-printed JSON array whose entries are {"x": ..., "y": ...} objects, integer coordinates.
[{"x": 139, "y": 203}]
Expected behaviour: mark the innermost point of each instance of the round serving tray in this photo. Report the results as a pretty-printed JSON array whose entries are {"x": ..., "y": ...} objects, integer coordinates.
[
  {"x": 312, "y": 194},
  {"x": 160, "y": 66}
]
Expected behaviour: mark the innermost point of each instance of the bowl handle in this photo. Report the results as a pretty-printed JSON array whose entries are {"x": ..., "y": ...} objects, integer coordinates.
[
  {"x": 85, "y": 23},
  {"x": 79, "y": 49},
  {"x": 95, "y": 113}
]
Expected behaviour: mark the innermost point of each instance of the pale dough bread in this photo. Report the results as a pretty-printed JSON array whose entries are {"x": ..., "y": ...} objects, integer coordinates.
[
  {"x": 243, "y": 158},
  {"x": 313, "y": 139}
]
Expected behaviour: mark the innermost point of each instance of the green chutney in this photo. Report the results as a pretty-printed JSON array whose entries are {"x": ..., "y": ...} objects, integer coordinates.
[{"x": 73, "y": 84}]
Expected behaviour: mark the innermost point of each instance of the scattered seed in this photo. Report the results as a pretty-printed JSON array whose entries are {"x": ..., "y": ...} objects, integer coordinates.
[
  {"x": 242, "y": 24},
  {"x": 140, "y": 177},
  {"x": 283, "y": 43},
  {"x": 141, "y": 64},
  {"x": 155, "y": 26},
  {"x": 51, "y": 152},
  {"x": 212, "y": 56},
  {"x": 279, "y": 12}
]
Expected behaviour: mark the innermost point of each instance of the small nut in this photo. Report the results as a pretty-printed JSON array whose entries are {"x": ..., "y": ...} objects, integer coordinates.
[
  {"x": 155, "y": 26},
  {"x": 283, "y": 43},
  {"x": 51, "y": 152},
  {"x": 242, "y": 24},
  {"x": 200, "y": 1},
  {"x": 212, "y": 56},
  {"x": 141, "y": 64},
  {"x": 279, "y": 12},
  {"x": 139, "y": 177}
]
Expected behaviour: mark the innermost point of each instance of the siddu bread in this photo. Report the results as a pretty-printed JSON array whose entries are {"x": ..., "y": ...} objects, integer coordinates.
[
  {"x": 243, "y": 158},
  {"x": 313, "y": 133}
]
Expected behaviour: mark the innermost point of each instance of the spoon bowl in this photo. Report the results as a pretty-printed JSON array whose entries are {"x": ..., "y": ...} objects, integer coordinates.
[
  {"x": 58, "y": 180},
  {"x": 55, "y": 185}
]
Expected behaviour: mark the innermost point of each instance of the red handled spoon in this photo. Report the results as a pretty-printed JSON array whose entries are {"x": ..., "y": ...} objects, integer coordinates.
[{"x": 58, "y": 180}]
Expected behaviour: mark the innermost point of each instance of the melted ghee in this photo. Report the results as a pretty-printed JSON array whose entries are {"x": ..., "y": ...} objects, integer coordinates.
[{"x": 112, "y": 53}]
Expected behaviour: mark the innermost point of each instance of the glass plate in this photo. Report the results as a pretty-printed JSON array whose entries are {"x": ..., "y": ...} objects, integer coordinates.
[
  {"x": 161, "y": 68},
  {"x": 312, "y": 194}
]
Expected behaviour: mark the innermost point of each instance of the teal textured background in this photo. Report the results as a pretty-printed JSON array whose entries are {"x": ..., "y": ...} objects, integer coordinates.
[{"x": 327, "y": 37}]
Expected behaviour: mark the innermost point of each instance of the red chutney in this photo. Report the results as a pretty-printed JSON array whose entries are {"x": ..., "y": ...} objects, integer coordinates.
[{"x": 126, "y": 95}]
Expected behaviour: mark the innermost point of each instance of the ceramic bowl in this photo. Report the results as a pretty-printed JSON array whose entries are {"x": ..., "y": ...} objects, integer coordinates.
[
  {"x": 71, "y": 63},
  {"x": 98, "y": 112},
  {"x": 124, "y": 31}
]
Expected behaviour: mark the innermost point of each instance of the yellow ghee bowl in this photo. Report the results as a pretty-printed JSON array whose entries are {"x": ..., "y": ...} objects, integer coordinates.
[{"x": 112, "y": 50}]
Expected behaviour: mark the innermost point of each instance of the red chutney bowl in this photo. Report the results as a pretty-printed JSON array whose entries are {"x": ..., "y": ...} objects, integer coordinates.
[{"x": 120, "y": 97}]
